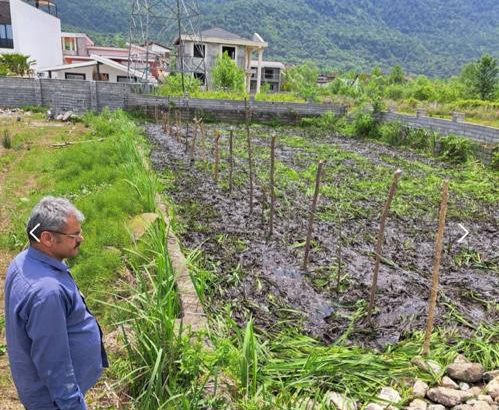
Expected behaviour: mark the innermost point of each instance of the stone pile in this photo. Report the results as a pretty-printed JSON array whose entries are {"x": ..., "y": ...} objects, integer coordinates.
[{"x": 465, "y": 386}]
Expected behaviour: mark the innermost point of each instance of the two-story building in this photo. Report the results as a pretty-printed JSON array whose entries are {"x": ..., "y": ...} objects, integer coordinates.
[
  {"x": 198, "y": 54},
  {"x": 31, "y": 28}
]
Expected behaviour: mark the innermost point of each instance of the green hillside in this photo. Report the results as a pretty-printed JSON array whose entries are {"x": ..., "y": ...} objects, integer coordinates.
[{"x": 433, "y": 37}]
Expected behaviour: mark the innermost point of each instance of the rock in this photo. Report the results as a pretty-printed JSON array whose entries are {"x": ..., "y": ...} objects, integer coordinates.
[
  {"x": 59, "y": 117},
  {"x": 461, "y": 359},
  {"x": 389, "y": 395},
  {"x": 307, "y": 404},
  {"x": 436, "y": 407},
  {"x": 67, "y": 115},
  {"x": 141, "y": 223},
  {"x": 465, "y": 372},
  {"x": 428, "y": 366},
  {"x": 464, "y": 386},
  {"x": 492, "y": 388},
  {"x": 488, "y": 376},
  {"x": 375, "y": 406},
  {"x": 418, "y": 404},
  {"x": 419, "y": 389},
  {"x": 448, "y": 382},
  {"x": 485, "y": 397},
  {"x": 340, "y": 401},
  {"x": 451, "y": 397},
  {"x": 474, "y": 405}
]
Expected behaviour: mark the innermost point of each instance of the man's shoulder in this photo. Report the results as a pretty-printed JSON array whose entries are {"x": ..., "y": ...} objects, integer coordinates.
[{"x": 32, "y": 279}]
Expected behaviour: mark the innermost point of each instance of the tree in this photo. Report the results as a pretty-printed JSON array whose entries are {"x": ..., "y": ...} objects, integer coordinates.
[
  {"x": 397, "y": 75},
  {"x": 173, "y": 85},
  {"x": 484, "y": 80},
  {"x": 227, "y": 75},
  {"x": 16, "y": 64},
  {"x": 302, "y": 80}
]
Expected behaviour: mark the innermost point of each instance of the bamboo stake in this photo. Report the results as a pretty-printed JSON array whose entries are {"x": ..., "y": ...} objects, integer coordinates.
[
  {"x": 177, "y": 126},
  {"x": 432, "y": 301},
  {"x": 312, "y": 213},
  {"x": 217, "y": 156},
  {"x": 339, "y": 249},
  {"x": 231, "y": 158},
  {"x": 379, "y": 243},
  {"x": 203, "y": 142},
  {"x": 250, "y": 156},
  {"x": 272, "y": 185},
  {"x": 194, "y": 138}
]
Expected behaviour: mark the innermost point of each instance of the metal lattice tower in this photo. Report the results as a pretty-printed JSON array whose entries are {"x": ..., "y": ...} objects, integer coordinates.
[{"x": 164, "y": 22}]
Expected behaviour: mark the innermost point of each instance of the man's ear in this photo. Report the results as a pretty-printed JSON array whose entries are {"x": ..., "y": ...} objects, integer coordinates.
[{"x": 46, "y": 238}]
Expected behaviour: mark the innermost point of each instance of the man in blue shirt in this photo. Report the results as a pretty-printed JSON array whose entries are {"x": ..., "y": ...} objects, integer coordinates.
[{"x": 53, "y": 341}]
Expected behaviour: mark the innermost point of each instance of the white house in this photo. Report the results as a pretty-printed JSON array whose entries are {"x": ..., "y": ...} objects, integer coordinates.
[
  {"x": 96, "y": 68},
  {"x": 31, "y": 28}
]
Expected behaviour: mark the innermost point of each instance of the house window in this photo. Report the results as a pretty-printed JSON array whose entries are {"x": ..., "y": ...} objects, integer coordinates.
[
  {"x": 100, "y": 76},
  {"x": 201, "y": 77},
  {"x": 6, "y": 40},
  {"x": 268, "y": 74},
  {"x": 199, "y": 50},
  {"x": 125, "y": 79},
  {"x": 231, "y": 51},
  {"x": 75, "y": 76},
  {"x": 69, "y": 44}
]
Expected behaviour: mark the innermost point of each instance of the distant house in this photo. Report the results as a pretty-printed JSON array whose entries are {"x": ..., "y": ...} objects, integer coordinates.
[
  {"x": 31, "y": 28},
  {"x": 271, "y": 75},
  {"x": 150, "y": 60},
  {"x": 198, "y": 54},
  {"x": 95, "y": 68}
]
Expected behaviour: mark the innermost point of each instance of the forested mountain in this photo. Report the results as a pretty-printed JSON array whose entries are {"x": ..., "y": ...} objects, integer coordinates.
[{"x": 434, "y": 37}]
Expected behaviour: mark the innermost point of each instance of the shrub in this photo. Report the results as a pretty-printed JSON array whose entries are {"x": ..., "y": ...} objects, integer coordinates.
[
  {"x": 173, "y": 85},
  {"x": 393, "y": 133},
  {"x": 327, "y": 121},
  {"x": 365, "y": 125},
  {"x": 455, "y": 149}
]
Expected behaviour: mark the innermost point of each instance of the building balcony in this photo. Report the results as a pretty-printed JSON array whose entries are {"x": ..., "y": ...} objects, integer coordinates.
[{"x": 46, "y": 5}]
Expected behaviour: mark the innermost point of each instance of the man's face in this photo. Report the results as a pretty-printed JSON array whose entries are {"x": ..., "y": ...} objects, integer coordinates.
[{"x": 65, "y": 243}]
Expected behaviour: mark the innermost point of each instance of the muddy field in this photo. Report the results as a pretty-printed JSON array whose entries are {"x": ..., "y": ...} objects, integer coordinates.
[{"x": 264, "y": 278}]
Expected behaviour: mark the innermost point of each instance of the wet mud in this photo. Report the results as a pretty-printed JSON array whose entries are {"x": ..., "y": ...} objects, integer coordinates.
[{"x": 264, "y": 278}]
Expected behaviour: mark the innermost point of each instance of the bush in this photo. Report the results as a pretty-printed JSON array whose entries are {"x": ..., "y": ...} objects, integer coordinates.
[
  {"x": 455, "y": 149},
  {"x": 365, "y": 125},
  {"x": 328, "y": 121},
  {"x": 173, "y": 85},
  {"x": 393, "y": 133}
]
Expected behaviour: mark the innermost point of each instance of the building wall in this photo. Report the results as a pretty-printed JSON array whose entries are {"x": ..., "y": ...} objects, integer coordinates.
[
  {"x": 212, "y": 51},
  {"x": 89, "y": 71},
  {"x": 36, "y": 34}
]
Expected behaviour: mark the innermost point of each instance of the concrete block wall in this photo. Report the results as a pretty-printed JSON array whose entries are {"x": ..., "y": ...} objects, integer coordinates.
[{"x": 81, "y": 96}]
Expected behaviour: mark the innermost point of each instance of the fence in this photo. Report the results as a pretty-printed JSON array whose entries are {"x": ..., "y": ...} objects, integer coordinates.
[{"x": 80, "y": 96}]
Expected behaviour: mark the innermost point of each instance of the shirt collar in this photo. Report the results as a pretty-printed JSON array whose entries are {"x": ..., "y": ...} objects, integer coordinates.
[{"x": 43, "y": 257}]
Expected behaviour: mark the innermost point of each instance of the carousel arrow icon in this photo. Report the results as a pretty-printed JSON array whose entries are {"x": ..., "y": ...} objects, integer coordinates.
[
  {"x": 466, "y": 232},
  {"x": 32, "y": 234}
]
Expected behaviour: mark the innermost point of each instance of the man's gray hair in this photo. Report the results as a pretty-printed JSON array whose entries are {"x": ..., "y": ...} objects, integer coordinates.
[{"x": 52, "y": 214}]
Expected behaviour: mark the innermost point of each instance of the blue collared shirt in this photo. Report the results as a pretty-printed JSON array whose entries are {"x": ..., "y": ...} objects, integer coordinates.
[{"x": 53, "y": 341}]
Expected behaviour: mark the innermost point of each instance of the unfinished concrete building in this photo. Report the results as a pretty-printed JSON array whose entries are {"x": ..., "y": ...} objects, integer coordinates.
[{"x": 194, "y": 50}]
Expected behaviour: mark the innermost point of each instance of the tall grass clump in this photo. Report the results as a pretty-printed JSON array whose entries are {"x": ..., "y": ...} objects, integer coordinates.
[
  {"x": 6, "y": 140},
  {"x": 456, "y": 150}
]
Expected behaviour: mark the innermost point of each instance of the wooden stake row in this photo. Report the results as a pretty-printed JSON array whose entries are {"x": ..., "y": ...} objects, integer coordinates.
[{"x": 198, "y": 125}]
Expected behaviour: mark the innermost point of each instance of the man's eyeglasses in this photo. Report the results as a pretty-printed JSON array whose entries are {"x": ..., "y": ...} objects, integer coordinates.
[{"x": 71, "y": 235}]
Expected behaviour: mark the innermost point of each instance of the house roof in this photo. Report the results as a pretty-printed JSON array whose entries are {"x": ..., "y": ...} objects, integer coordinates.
[
  {"x": 95, "y": 59},
  {"x": 218, "y": 32},
  {"x": 220, "y": 36},
  {"x": 268, "y": 64}
]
